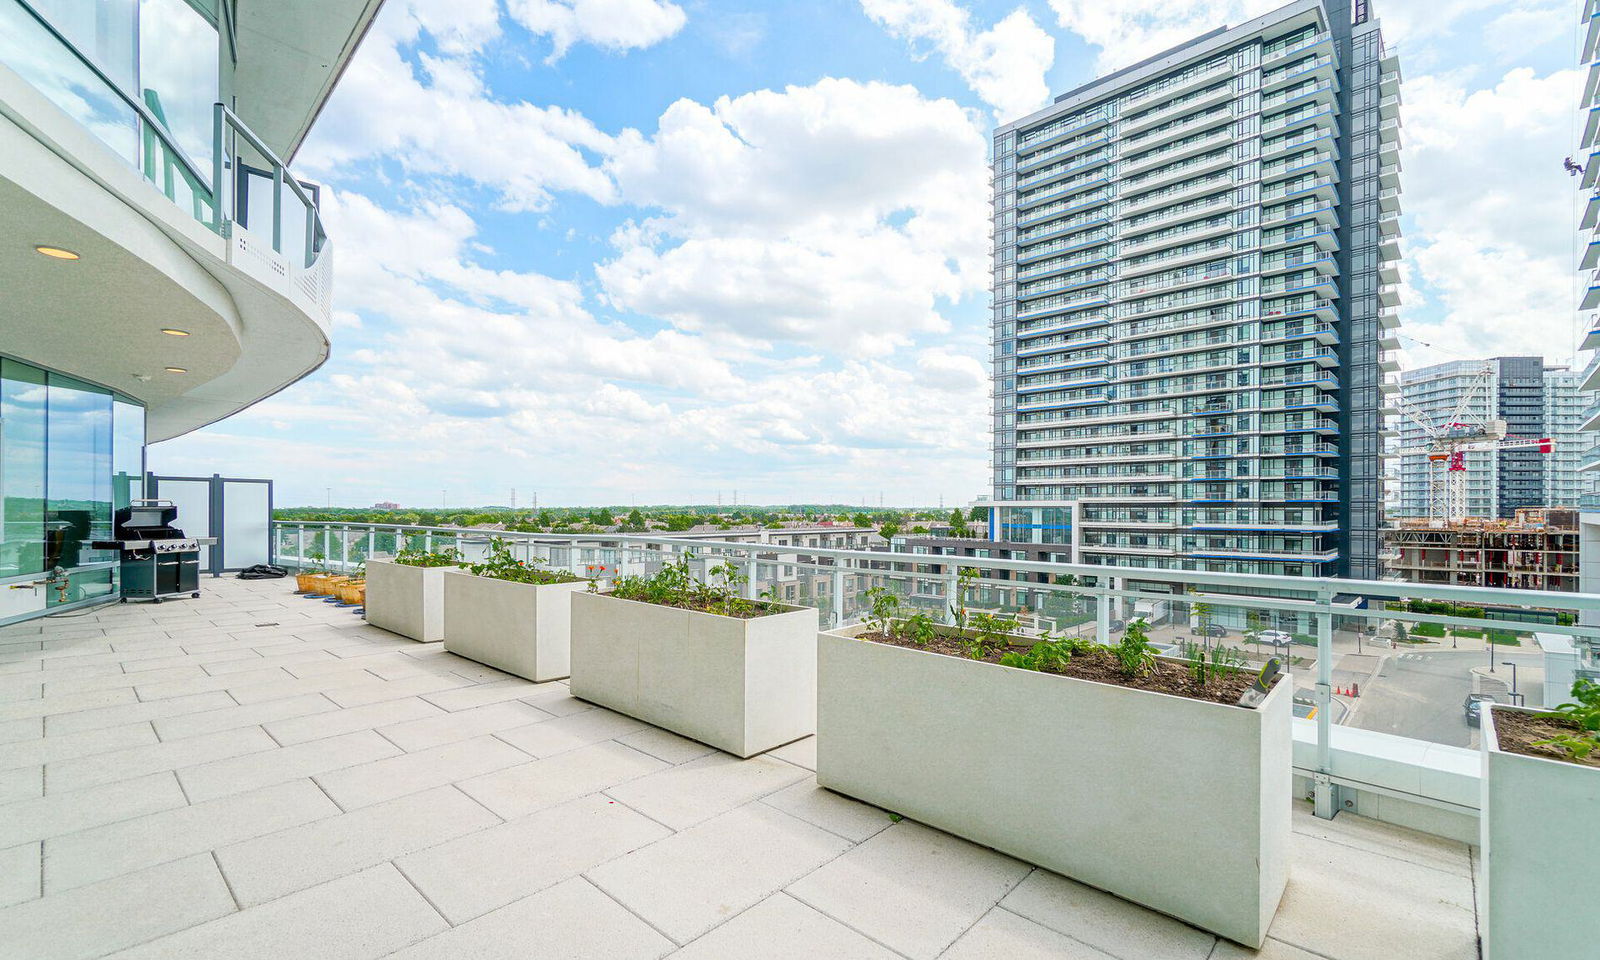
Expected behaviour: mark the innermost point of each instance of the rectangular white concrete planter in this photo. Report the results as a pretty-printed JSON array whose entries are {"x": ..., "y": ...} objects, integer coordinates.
[
  {"x": 521, "y": 628},
  {"x": 1180, "y": 805},
  {"x": 406, "y": 600},
  {"x": 743, "y": 686},
  {"x": 1540, "y": 848}
]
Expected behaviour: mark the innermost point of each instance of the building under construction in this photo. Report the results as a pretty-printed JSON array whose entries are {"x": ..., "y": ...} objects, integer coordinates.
[{"x": 1534, "y": 550}]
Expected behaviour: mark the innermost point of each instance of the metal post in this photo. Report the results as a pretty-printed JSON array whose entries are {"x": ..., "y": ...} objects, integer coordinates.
[
  {"x": 952, "y": 595},
  {"x": 372, "y": 541},
  {"x": 218, "y": 165},
  {"x": 838, "y": 595},
  {"x": 277, "y": 208},
  {"x": 1325, "y": 796},
  {"x": 1102, "y": 616},
  {"x": 751, "y": 569},
  {"x": 344, "y": 549},
  {"x": 300, "y": 547}
]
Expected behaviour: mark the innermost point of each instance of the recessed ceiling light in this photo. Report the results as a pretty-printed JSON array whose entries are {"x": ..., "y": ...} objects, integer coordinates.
[
  {"x": 176, "y": 370},
  {"x": 56, "y": 252},
  {"x": 174, "y": 332}
]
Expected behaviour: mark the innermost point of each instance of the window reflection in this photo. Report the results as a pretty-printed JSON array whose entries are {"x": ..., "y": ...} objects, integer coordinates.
[
  {"x": 22, "y": 468},
  {"x": 78, "y": 465}
]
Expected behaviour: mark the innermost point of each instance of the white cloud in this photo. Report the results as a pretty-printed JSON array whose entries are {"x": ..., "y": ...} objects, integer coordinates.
[
  {"x": 1127, "y": 31},
  {"x": 838, "y": 214},
  {"x": 438, "y": 120},
  {"x": 1004, "y": 65},
  {"x": 1494, "y": 216},
  {"x": 611, "y": 24}
]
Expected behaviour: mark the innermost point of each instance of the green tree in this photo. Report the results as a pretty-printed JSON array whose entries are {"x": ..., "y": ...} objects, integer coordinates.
[
  {"x": 958, "y": 525},
  {"x": 978, "y": 515},
  {"x": 636, "y": 523},
  {"x": 888, "y": 531}
]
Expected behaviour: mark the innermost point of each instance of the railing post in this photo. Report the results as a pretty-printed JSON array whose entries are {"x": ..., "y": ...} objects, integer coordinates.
[
  {"x": 277, "y": 208},
  {"x": 751, "y": 569},
  {"x": 372, "y": 541},
  {"x": 300, "y": 547},
  {"x": 218, "y": 164},
  {"x": 1102, "y": 617},
  {"x": 344, "y": 549},
  {"x": 1325, "y": 796},
  {"x": 837, "y": 600},
  {"x": 952, "y": 595}
]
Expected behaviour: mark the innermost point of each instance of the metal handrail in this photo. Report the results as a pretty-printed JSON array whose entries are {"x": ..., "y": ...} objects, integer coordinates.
[
  {"x": 146, "y": 117},
  {"x": 225, "y": 119}
]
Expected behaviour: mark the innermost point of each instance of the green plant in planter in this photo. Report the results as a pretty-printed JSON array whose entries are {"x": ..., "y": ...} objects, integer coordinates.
[
  {"x": 883, "y": 607},
  {"x": 319, "y": 562},
  {"x": 674, "y": 585},
  {"x": 1584, "y": 711},
  {"x": 502, "y": 564},
  {"x": 1208, "y": 665},
  {"x": 1046, "y": 656},
  {"x": 1135, "y": 656},
  {"x": 413, "y": 557},
  {"x": 917, "y": 628},
  {"x": 989, "y": 633}
]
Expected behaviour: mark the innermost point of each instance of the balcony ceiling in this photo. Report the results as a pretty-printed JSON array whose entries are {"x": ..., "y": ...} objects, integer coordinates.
[{"x": 291, "y": 53}]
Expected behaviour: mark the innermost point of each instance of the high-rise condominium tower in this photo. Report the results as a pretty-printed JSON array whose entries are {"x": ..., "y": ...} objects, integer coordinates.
[{"x": 1194, "y": 302}]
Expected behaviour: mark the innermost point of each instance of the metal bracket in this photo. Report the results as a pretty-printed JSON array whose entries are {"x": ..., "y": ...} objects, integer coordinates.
[{"x": 1324, "y": 796}]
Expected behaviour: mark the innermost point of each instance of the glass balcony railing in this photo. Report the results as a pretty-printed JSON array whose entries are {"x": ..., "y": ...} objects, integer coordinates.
[{"x": 162, "y": 137}]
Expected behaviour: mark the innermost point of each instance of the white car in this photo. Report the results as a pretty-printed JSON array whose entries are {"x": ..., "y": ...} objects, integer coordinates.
[{"x": 1274, "y": 637}]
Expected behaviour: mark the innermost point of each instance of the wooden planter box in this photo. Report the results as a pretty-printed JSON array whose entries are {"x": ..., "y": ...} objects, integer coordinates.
[
  {"x": 406, "y": 600},
  {"x": 521, "y": 628},
  {"x": 1540, "y": 848},
  {"x": 743, "y": 686},
  {"x": 1180, "y": 805}
]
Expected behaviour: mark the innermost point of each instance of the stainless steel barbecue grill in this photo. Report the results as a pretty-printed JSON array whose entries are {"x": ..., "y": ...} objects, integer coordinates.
[{"x": 158, "y": 561}]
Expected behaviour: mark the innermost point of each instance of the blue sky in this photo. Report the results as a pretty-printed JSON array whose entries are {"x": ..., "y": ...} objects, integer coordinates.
[{"x": 616, "y": 251}]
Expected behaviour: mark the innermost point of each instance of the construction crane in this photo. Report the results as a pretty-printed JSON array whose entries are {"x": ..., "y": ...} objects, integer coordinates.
[{"x": 1465, "y": 431}]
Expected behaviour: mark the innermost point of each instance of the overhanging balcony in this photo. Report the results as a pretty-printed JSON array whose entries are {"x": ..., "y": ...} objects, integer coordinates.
[{"x": 229, "y": 248}]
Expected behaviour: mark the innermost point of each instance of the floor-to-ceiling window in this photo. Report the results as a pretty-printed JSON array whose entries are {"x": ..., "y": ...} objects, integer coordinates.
[
  {"x": 71, "y": 453},
  {"x": 22, "y": 469}
]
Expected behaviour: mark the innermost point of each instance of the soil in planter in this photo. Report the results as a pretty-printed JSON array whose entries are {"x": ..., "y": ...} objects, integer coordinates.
[
  {"x": 1518, "y": 731},
  {"x": 1101, "y": 667},
  {"x": 754, "y": 608}
]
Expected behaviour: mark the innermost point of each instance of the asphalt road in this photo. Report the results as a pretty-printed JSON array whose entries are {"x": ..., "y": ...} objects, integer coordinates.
[{"x": 1419, "y": 694}]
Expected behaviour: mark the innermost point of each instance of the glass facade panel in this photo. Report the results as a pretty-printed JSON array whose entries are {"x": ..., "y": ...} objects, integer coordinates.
[
  {"x": 178, "y": 72},
  {"x": 30, "y": 50},
  {"x": 22, "y": 469},
  {"x": 127, "y": 453},
  {"x": 102, "y": 29},
  {"x": 78, "y": 464}
]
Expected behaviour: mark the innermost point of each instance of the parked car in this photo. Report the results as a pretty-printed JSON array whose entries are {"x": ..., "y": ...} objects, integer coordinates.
[
  {"x": 1274, "y": 637},
  {"x": 1211, "y": 630},
  {"x": 1473, "y": 707}
]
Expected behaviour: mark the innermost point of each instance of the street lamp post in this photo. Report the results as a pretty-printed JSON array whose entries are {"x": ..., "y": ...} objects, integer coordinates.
[{"x": 1513, "y": 665}]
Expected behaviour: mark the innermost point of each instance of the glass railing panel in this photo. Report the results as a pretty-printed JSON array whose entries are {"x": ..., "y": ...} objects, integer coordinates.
[{"x": 51, "y": 68}]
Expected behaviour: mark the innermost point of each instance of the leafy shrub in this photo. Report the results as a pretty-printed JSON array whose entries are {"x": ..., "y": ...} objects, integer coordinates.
[
  {"x": 423, "y": 558},
  {"x": 1427, "y": 630},
  {"x": 501, "y": 564},
  {"x": 674, "y": 586},
  {"x": 1135, "y": 656},
  {"x": 1583, "y": 712}
]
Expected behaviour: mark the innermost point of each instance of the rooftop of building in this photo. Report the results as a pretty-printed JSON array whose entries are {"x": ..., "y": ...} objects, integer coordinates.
[
  {"x": 256, "y": 774},
  {"x": 1525, "y": 520}
]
